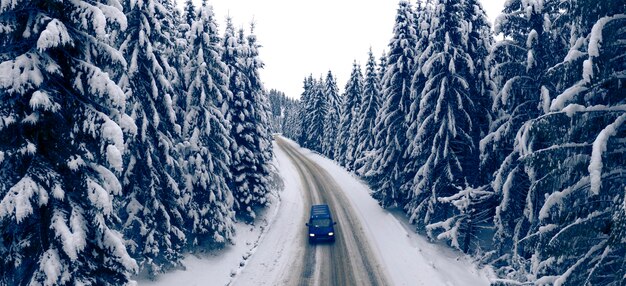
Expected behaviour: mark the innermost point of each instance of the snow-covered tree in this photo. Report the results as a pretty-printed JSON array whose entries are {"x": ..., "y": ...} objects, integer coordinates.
[
  {"x": 283, "y": 113},
  {"x": 345, "y": 146},
  {"x": 367, "y": 118},
  {"x": 576, "y": 171},
  {"x": 445, "y": 143},
  {"x": 520, "y": 63},
  {"x": 464, "y": 95},
  {"x": 206, "y": 157},
  {"x": 422, "y": 23},
  {"x": 291, "y": 119},
  {"x": 247, "y": 114},
  {"x": 189, "y": 13},
  {"x": 305, "y": 109},
  {"x": 519, "y": 67},
  {"x": 262, "y": 173},
  {"x": 387, "y": 174},
  {"x": 61, "y": 143},
  {"x": 317, "y": 118},
  {"x": 331, "y": 122},
  {"x": 560, "y": 193},
  {"x": 152, "y": 211}
]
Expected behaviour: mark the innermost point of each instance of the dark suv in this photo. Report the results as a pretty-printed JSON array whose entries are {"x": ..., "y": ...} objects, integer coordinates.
[{"x": 321, "y": 224}]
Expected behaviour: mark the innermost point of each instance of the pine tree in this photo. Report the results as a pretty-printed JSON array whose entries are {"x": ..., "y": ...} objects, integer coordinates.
[
  {"x": 247, "y": 113},
  {"x": 189, "y": 13},
  {"x": 152, "y": 211},
  {"x": 445, "y": 144},
  {"x": 472, "y": 207},
  {"x": 382, "y": 68},
  {"x": 262, "y": 149},
  {"x": 367, "y": 118},
  {"x": 206, "y": 157},
  {"x": 422, "y": 26},
  {"x": 61, "y": 128},
  {"x": 319, "y": 112},
  {"x": 574, "y": 199},
  {"x": 345, "y": 146},
  {"x": 520, "y": 65},
  {"x": 331, "y": 122},
  {"x": 387, "y": 174},
  {"x": 179, "y": 58},
  {"x": 305, "y": 109}
]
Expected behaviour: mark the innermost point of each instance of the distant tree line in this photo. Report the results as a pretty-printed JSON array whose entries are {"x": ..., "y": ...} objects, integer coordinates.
[
  {"x": 511, "y": 150},
  {"x": 130, "y": 135}
]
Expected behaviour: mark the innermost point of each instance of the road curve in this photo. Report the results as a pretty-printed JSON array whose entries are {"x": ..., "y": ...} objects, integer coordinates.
[{"x": 350, "y": 260}]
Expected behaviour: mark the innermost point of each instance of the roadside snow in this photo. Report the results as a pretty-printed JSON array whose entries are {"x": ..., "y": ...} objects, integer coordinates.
[
  {"x": 263, "y": 253},
  {"x": 221, "y": 267},
  {"x": 408, "y": 257}
]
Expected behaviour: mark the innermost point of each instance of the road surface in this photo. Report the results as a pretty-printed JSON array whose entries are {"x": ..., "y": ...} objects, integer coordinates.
[{"x": 348, "y": 261}]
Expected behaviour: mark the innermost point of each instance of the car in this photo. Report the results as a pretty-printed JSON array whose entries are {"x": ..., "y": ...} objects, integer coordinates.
[{"x": 321, "y": 224}]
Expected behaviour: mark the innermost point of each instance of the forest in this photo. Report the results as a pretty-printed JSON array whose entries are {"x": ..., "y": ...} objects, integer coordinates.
[
  {"x": 132, "y": 134},
  {"x": 507, "y": 143},
  {"x": 128, "y": 139}
]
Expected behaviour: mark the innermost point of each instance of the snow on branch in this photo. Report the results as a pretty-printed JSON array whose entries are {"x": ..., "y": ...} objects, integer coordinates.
[
  {"x": 562, "y": 279},
  {"x": 595, "y": 38},
  {"x": 599, "y": 147},
  {"x": 595, "y": 43},
  {"x": 9, "y": 4},
  {"x": 559, "y": 102},
  {"x": 114, "y": 13},
  {"x": 54, "y": 35},
  {"x": 73, "y": 235},
  {"x": 90, "y": 12},
  {"x": 21, "y": 74},
  {"x": 18, "y": 200},
  {"x": 41, "y": 100}
]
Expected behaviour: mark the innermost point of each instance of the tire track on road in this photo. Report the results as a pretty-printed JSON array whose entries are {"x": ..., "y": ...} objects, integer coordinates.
[{"x": 350, "y": 261}]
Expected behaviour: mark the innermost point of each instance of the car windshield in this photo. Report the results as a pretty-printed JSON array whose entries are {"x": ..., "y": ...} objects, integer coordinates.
[{"x": 320, "y": 222}]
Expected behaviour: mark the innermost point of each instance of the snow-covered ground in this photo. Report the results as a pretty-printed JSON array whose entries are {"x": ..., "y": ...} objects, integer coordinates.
[{"x": 261, "y": 255}]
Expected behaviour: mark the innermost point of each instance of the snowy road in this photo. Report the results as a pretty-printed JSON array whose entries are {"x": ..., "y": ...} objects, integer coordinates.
[
  {"x": 349, "y": 261},
  {"x": 373, "y": 247}
]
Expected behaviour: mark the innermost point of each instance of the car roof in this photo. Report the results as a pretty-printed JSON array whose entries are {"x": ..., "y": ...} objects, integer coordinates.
[{"x": 320, "y": 211}]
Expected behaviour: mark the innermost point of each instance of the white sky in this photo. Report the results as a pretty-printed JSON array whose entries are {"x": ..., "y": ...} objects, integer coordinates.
[{"x": 299, "y": 38}]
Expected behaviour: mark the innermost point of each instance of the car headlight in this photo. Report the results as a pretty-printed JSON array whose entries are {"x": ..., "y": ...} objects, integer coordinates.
[
  {"x": 331, "y": 233},
  {"x": 311, "y": 234}
]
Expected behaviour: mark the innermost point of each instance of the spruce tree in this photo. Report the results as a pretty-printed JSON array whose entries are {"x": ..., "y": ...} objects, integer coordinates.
[
  {"x": 319, "y": 111},
  {"x": 61, "y": 128},
  {"x": 152, "y": 211},
  {"x": 574, "y": 199},
  {"x": 345, "y": 146},
  {"x": 520, "y": 65},
  {"x": 422, "y": 26},
  {"x": 382, "y": 69},
  {"x": 469, "y": 91},
  {"x": 305, "y": 109},
  {"x": 206, "y": 157},
  {"x": 189, "y": 13},
  {"x": 331, "y": 122},
  {"x": 262, "y": 173},
  {"x": 247, "y": 114},
  {"x": 444, "y": 142},
  {"x": 367, "y": 117},
  {"x": 387, "y": 174}
]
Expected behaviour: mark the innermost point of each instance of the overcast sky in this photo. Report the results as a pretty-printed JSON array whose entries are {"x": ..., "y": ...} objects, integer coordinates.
[{"x": 299, "y": 38}]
